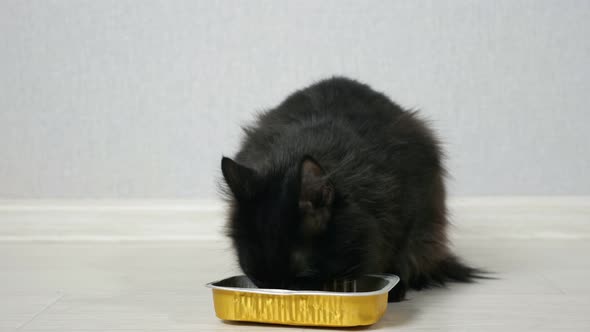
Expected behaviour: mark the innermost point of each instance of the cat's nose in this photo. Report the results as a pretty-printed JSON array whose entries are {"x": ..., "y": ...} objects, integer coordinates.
[
  {"x": 270, "y": 284},
  {"x": 307, "y": 273}
]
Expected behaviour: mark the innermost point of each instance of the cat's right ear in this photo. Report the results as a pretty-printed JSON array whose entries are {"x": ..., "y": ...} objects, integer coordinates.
[
  {"x": 242, "y": 181},
  {"x": 316, "y": 196}
]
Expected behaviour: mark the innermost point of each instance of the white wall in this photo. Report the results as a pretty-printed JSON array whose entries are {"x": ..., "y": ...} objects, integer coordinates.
[{"x": 139, "y": 99}]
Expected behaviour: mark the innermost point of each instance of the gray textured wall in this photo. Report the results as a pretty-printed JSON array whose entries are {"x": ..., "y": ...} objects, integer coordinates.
[{"x": 139, "y": 99}]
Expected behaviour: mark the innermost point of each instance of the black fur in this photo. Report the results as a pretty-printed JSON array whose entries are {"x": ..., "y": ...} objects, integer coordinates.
[{"x": 335, "y": 182}]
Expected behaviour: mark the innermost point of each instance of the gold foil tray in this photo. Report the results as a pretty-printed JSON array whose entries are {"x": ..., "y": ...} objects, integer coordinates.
[{"x": 357, "y": 302}]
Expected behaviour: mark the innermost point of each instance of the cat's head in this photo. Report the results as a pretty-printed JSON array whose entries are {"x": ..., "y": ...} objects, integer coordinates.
[{"x": 283, "y": 227}]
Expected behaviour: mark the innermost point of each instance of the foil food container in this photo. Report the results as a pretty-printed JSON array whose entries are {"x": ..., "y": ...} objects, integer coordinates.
[{"x": 357, "y": 302}]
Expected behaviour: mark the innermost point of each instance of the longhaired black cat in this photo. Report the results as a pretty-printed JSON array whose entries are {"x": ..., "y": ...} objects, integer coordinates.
[{"x": 335, "y": 182}]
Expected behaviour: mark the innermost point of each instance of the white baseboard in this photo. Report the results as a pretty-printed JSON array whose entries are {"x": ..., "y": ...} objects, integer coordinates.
[
  {"x": 111, "y": 220},
  {"x": 564, "y": 217}
]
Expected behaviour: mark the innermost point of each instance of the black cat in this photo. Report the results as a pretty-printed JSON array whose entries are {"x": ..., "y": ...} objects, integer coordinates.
[{"x": 335, "y": 182}]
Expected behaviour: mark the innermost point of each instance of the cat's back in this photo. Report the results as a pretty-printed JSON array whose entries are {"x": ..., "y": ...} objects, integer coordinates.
[
  {"x": 333, "y": 99},
  {"x": 336, "y": 113},
  {"x": 343, "y": 103}
]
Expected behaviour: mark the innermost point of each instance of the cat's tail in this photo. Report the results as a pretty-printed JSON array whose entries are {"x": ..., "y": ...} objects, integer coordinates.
[
  {"x": 450, "y": 269},
  {"x": 453, "y": 269}
]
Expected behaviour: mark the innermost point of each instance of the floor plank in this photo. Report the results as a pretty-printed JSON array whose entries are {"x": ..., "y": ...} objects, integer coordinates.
[{"x": 159, "y": 286}]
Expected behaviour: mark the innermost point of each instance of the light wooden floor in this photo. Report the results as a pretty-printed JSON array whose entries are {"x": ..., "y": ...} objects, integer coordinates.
[{"x": 543, "y": 285}]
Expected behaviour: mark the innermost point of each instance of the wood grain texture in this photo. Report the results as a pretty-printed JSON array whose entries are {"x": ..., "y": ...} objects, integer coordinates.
[{"x": 158, "y": 285}]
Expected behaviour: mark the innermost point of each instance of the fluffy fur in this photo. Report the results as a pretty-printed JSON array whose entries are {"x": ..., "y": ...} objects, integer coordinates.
[{"x": 335, "y": 182}]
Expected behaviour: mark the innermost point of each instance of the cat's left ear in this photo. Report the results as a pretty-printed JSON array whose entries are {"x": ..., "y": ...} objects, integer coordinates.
[
  {"x": 316, "y": 196},
  {"x": 242, "y": 181}
]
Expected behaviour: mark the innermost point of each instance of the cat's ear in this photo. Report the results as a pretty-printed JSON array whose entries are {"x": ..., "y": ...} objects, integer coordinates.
[
  {"x": 242, "y": 181},
  {"x": 316, "y": 196}
]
